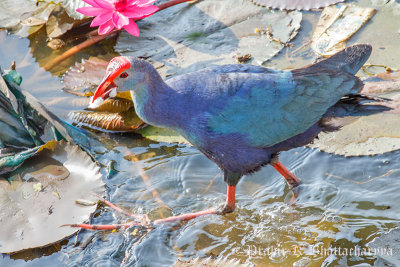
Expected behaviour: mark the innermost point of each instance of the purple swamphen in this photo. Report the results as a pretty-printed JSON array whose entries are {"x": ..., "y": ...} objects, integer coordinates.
[{"x": 241, "y": 116}]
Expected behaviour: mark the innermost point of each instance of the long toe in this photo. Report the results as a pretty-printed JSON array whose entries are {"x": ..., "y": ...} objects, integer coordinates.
[{"x": 292, "y": 197}]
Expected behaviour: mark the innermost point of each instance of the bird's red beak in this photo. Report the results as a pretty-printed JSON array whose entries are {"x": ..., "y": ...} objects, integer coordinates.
[{"x": 116, "y": 66}]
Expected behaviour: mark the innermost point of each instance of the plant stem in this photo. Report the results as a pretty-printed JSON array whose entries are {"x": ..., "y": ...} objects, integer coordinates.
[{"x": 95, "y": 38}]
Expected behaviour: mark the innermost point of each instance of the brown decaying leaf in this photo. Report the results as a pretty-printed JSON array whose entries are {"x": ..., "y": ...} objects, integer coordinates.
[
  {"x": 295, "y": 4},
  {"x": 116, "y": 122},
  {"x": 336, "y": 25}
]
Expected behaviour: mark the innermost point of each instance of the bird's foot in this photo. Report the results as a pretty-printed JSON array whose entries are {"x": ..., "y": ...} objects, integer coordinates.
[
  {"x": 224, "y": 209},
  {"x": 294, "y": 193},
  {"x": 293, "y": 182},
  {"x": 143, "y": 220},
  {"x": 139, "y": 220}
]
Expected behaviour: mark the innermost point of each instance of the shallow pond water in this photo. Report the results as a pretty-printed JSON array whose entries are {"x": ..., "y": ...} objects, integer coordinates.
[{"x": 343, "y": 203}]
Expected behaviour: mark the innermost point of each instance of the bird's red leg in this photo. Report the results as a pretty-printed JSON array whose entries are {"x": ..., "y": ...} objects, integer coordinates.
[{"x": 290, "y": 178}]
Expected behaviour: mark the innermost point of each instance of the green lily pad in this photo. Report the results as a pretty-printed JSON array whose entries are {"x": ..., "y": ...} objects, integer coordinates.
[{"x": 35, "y": 206}]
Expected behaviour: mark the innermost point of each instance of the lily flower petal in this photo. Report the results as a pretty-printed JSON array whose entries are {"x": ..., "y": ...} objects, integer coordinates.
[
  {"x": 110, "y": 14},
  {"x": 104, "y": 4},
  {"x": 100, "y": 19},
  {"x": 132, "y": 28},
  {"x": 91, "y": 11},
  {"x": 119, "y": 20},
  {"x": 134, "y": 12},
  {"x": 132, "y": 2},
  {"x": 106, "y": 27}
]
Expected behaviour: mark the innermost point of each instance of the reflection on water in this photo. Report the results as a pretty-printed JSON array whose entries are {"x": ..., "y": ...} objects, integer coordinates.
[{"x": 344, "y": 203}]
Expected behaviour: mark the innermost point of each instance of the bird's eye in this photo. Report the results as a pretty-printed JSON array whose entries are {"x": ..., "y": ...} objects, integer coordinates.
[{"x": 123, "y": 75}]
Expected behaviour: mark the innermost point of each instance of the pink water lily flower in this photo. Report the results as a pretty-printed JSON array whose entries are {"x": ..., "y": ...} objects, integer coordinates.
[{"x": 110, "y": 14}]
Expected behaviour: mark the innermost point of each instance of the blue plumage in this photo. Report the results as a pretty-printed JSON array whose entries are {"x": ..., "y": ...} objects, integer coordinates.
[{"x": 242, "y": 116}]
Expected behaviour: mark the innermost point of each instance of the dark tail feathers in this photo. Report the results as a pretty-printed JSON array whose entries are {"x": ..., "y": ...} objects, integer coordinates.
[{"x": 349, "y": 60}]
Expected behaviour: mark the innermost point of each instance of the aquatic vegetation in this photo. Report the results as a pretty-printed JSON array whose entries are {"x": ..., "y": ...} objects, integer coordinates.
[
  {"x": 27, "y": 125},
  {"x": 122, "y": 121}
]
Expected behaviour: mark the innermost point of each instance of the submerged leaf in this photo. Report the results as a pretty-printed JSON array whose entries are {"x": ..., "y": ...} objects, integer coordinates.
[
  {"x": 115, "y": 105},
  {"x": 162, "y": 135},
  {"x": 336, "y": 25},
  {"x": 296, "y": 4},
  {"x": 31, "y": 215}
]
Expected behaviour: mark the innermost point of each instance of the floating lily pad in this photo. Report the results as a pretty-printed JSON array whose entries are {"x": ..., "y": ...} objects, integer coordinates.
[
  {"x": 182, "y": 39},
  {"x": 34, "y": 207},
  {"x": 336, "y": 25},
  {"x": 296, "y": 4},
  {"x": 85, "y": 75},
  {"x": 369, "y": 134}
]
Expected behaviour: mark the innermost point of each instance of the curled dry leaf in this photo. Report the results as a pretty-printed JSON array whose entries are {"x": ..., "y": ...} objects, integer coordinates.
[
  {"x": 336, "y": 25},
  {"x": 114, "y": 122},
  {"x": 58, "y": 23},
  {"x": 32, "y": 218},
  {"x": 296, "y": 4}
]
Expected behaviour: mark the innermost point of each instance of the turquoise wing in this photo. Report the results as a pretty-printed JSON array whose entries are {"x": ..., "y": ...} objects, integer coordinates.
[{"x": 269, "y": 109}]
